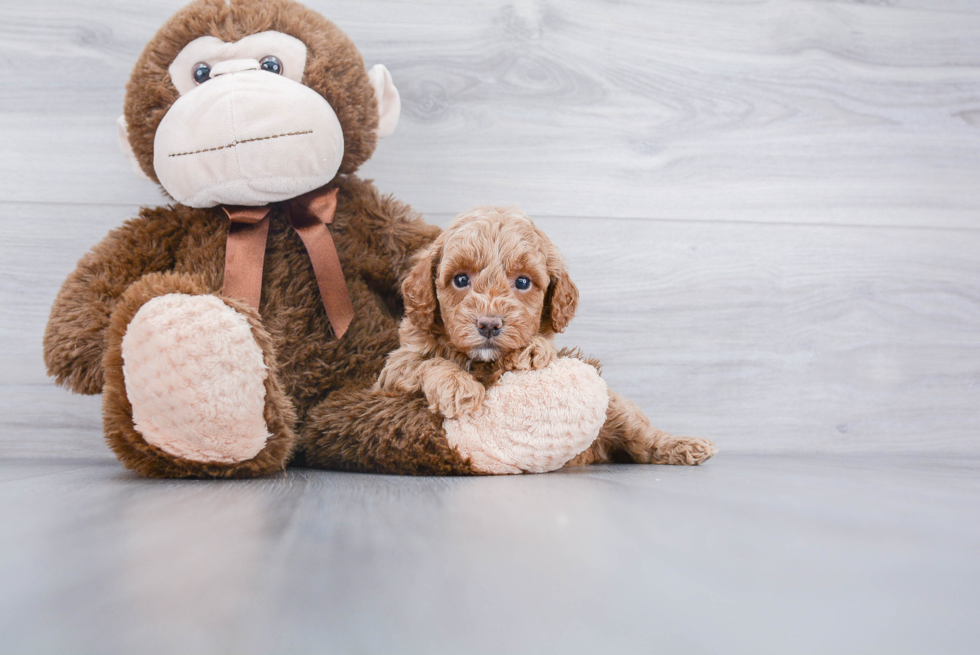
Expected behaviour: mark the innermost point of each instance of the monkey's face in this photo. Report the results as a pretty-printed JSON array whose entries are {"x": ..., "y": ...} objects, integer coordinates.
[
  {"x": 245, "y": 130},
  {"x": 251, "y": 125}
]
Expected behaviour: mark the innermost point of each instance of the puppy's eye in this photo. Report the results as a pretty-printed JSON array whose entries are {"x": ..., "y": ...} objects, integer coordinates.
[
  {"x": 461, "y": 281},
  {"x": 202, "y": 73},
  {"x": 523, "y": 283},
  {"x": 271, "y": 64}
]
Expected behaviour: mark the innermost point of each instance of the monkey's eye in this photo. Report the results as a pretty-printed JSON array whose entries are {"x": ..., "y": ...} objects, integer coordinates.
[
  {"x": 202, "y": 73},
  {"x": 523, "y": 283},
  {"x": 271, "y": 64},
  {"x": 461, "y": 281}
]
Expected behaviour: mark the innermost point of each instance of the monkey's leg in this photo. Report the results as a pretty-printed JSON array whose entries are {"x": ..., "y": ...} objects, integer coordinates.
[
  {"x": 356, "y": 429},
  {"x": 627, "y": 436},
  {"x": 190, "y": 384}
]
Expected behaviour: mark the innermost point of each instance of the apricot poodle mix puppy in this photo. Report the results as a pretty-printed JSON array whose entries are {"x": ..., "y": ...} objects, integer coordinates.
[{"x": 488, "y": 297}]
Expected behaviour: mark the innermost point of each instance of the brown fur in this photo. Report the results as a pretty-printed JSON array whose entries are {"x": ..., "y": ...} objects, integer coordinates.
[
  {"x": 439, "y": 334},
  {"x": 358, "y": 430}
]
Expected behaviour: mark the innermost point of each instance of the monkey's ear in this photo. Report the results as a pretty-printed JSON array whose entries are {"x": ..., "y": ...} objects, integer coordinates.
[
  {"x": 419, "y": 287},
  {"x": 127, "y": 149},
  {"x": 389, "y": 102}
]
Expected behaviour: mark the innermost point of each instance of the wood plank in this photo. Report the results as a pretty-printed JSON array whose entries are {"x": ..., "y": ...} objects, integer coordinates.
[
  {"x": 766, "y": 338},
  {"x": 746, "y": 554},
  {"x": 815, "y": 112}
]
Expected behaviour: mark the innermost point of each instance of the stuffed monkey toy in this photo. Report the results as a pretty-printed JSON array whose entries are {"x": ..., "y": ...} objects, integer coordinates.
[{"x": 240, "y": 329}]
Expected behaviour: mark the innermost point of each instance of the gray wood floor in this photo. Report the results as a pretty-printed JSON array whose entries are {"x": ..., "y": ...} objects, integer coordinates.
[
  {"x": 772, "y": 209},
  {"x": 749, "y": 554}
]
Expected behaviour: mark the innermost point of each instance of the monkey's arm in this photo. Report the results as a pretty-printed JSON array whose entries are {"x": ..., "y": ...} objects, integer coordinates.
[
  {"x": 75, "y": 337},
  {"x": 449, "y": 389},
  {"x": 360, "y": 430}
]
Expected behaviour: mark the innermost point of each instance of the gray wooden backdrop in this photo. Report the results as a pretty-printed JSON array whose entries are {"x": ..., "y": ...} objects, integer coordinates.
[{"x": 772, "y": 208}]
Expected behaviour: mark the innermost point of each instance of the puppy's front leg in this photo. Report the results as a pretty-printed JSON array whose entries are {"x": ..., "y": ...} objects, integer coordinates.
[
  {"x": 400, "y": 375},
  {"x": 538, "y": 354},
  {"x": 627, "y": 436},
  {"x": 450, "y": 390}
]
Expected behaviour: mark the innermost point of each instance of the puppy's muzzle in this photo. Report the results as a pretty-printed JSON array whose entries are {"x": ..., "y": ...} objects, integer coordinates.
[{"x": 489, "y": 326}]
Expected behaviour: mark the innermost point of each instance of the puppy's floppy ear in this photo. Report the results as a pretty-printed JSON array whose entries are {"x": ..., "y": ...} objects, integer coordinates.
[
  {"x": 561, "y": 299},
  {"x": 419, "y": 287}
]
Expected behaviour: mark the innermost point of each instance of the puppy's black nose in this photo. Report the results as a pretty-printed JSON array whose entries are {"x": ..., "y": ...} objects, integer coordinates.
[{"x": 489, "y": 326}]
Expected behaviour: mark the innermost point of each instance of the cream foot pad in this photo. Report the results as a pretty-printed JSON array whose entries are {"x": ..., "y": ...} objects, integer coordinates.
[
  {"x": 196, "y": 379},
  {"x": 533, "y": 421}
]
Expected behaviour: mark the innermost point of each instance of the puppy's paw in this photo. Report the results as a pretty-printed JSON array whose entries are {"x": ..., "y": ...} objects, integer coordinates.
[
  {"x": 542, "y": 354},
  {"x": 539, "y": 354},
  {"x": 400, "y": 375},
  {"x": 391, "y": 383},
  {"x": 455, "y": 395},
  {"x": 684, "y": 451}
]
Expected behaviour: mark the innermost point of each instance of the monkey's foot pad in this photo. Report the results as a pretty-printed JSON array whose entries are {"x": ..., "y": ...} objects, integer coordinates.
[
  {"x": 195, "y": 378},
  {"x": 533, "y": 421}
]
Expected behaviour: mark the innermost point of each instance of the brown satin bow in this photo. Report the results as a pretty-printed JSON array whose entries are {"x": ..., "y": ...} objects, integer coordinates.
[{"x": 309, "y": 214}]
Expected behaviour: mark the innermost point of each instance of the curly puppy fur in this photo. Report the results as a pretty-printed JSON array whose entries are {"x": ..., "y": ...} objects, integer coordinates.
[{"x": 487, "y": 297}]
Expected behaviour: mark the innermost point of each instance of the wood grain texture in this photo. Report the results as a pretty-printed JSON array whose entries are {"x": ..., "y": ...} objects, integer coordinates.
[
  {"x": 793, "y": 111},
  {"x": 747, "y": 554}
]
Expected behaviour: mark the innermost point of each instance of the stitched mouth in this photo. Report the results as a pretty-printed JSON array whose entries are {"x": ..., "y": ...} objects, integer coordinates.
[{"x": 237, "y": 143}]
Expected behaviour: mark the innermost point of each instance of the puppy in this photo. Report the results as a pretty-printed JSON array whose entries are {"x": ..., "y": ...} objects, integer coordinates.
[{"x": 488, "y": 296}]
